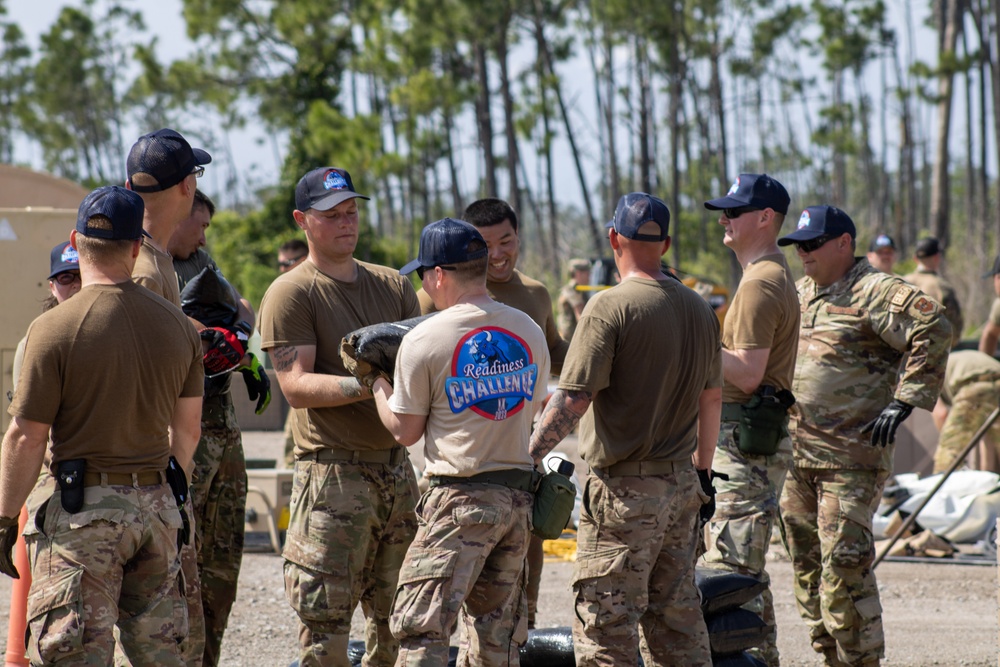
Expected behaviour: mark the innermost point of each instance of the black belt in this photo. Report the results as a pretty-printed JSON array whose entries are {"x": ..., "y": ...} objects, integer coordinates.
[
  {"x": 151, "y": 478},
  {"x": 222, "y": 400},
  {"x": 392, "y": 456},
  {"x": 520, "y": 480},
  {"x": 639, "y": 468}
]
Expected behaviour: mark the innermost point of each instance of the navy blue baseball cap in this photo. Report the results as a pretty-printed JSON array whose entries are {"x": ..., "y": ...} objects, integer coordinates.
[
  {"x": 446, "y": 242},
  {"x": 165, "y": 156},
  {"x": 817, "y": 221},
  {"x": 635, "y": 210},
  {"x": 122, "y": 207},
  {"x": 757, "y": 190},
  {"x": 324, "y": 188},
  {"x": 63, "y": 258}
]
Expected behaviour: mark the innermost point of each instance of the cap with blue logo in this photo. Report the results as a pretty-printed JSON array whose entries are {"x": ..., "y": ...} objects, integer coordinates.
[
  {"x": 122, "y": 207},
  {"x": 447, "y": 242},
  {"x": 817, "y": 221},
  {"x": 324, "y": 188},
  {"x": 63, "y": 258},
  {"x": 881, "y": 241},
  {"x": 635, "y": 210},
  {"x": 756, "y": 190}
]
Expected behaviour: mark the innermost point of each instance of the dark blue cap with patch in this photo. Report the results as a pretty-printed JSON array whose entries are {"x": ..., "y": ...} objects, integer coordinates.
[
  {"x": 817, "y": 221},
  {"x": 637, "y": 209},
  {"x": 166, "y": 157},
  {"x": 122, "y": 207},
  {"x": 63, "y": 258},
  {"x": 757, "y": 190},
  {"x": 324, "y": 188},
  {"x": 447, "y": 242}
]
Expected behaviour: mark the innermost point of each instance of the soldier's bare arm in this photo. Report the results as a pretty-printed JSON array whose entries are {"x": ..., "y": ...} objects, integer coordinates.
[
  {"x": 406, "y": 429},
  {"x": 304, "y": 388},
  {"x": 185, "y": 431},
  {"x": 709, "y": 417},
  {"x": 562, "y": 413},
  {"x": 745, "y": 368},
  {"x": 20, "y": 460}
]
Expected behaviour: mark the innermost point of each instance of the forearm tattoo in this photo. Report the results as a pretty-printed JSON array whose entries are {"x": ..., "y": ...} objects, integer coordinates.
[
  {"x": 283, "y": 358},
  {"x": 558, "y": 419}
]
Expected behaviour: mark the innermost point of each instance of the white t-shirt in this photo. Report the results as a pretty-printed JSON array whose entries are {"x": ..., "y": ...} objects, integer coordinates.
[{"x": 479, "y": 374}]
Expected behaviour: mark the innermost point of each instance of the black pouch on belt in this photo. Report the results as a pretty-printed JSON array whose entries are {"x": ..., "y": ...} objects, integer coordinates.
[
  {"x": 69, "y": 475},
  {"x": 764, "y": 421},
  {"x": 179, "y": 486}
]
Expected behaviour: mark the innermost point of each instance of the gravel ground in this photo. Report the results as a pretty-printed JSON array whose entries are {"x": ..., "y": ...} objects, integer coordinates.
[{"x": 934, "y": 614}]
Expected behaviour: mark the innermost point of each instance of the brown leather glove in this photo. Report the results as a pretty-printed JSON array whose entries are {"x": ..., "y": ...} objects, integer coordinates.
[
  {"x": 363, "y": 370},
  {"x": 8, "y": 537}
]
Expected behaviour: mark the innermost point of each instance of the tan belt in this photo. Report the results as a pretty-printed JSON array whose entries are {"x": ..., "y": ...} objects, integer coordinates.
[
  {"x": 639, "y": 468},
  {"x": 392, "y": 456},
  {"x": 151, "y": 478}
]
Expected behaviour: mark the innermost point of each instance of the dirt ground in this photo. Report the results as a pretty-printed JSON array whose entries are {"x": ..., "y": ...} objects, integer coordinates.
[{"x": 934, "y": 614}]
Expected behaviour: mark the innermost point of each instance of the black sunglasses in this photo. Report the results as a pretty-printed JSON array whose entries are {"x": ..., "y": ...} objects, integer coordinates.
[
  {"x": 814, "y": 244},
  {"x": 66, "y": 278},
  {"x": 733, "y": 213},
  {"x": 286, "y": 263},
  {"x": 421, "y": 269}
]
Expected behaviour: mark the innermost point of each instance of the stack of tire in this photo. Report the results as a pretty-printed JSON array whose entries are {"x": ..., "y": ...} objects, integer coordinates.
[{"x": 731, "y": 629}]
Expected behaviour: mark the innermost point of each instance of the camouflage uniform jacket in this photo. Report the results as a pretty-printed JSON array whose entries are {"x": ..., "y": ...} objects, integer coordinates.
[{"x": 852, "y": 339}]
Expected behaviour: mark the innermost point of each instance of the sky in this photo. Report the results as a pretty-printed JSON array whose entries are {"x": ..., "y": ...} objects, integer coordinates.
[{"x": 257, "y": 156}]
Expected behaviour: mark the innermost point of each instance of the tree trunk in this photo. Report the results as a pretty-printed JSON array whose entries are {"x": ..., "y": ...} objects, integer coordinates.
[
  {"x": 645, "y": 127},
  {"x": 596, "y": 236},
  {"x": 514, "y": 196},
  {"x": 484, "y": 123},
  {"x": 940, "y": 195}
]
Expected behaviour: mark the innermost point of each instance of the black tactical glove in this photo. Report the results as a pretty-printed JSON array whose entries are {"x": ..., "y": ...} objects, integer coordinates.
[
  {"x": 884, "y": 426},
  {"x": 8, "y": 537},
  {"x": 707, "y": 510},
  {"x": 258, "y": 384}
]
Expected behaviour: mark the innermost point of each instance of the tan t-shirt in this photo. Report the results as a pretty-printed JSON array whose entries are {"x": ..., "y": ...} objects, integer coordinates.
[
  {"x": 650, "y": 348},
  {"x": 308, "y": 307},
  {"x": 478, "y": 372},
  {"x": 154, "y": 270},
  {"x": 764, "y": 314},
  {"x": 530, "y": 297},
  {"x": 967, "y": 367},
  {"x": 105, "y": 369}
]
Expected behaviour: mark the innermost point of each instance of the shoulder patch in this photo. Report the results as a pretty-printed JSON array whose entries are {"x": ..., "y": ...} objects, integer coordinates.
[
  {"x": 902, "y": 294},
  {"x": 924, "y": 306}
]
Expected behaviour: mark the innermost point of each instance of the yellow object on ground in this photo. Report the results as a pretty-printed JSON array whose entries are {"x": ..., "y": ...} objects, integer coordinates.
[{"x": 563, "y": 548}]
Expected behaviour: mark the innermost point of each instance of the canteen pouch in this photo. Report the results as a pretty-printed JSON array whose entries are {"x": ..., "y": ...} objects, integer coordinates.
[
  {"x": 555, "y": 498},
  {"x": 69, "y": 475},
  {"x": 764, "y": 421}
]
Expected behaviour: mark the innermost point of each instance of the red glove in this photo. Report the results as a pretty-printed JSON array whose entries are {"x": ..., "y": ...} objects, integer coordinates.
[{"x": 224, "y": 352}]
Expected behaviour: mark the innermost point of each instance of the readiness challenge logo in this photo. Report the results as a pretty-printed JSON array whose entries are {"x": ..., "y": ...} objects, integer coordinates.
[{"x": 492, "y": 374}]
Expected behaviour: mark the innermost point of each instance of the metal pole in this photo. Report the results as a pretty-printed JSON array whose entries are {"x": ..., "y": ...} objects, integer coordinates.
[{"x": 952, "y": 468}]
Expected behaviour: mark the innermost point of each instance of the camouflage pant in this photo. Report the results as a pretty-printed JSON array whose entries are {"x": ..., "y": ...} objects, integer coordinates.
[
  {"x": 635, "y": 569},
  {"x": 348, "y": 531},
  {"x": 827, "y": 528},
  {"x": 219, "y": 494},
  {"x": 468, "y": 555},
  {"x": 746, "y": 512},
  {"x": 114, "y": 563},
  {"x": 970, "y": 409},
  {"x": 188, "y": 599}
]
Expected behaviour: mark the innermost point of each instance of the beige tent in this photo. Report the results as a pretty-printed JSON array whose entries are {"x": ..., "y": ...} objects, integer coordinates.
[{"x": 37, "y": 211}]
